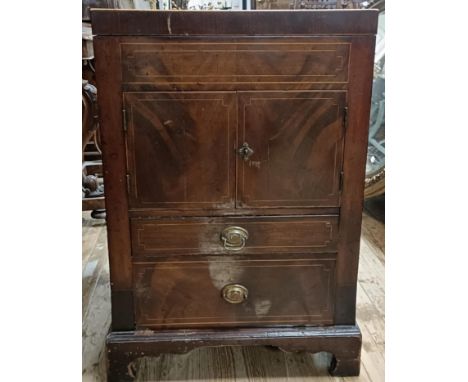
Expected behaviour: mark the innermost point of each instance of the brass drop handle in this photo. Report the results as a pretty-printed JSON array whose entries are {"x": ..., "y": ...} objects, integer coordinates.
[
  {"x": 235, "y": 293},
  {"x": 245, "y": 151},
  {"x": 234, "y": 238}
]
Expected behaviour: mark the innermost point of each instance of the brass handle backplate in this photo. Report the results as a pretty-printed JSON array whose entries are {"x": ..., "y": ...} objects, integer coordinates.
[
  {"x": 245, "y": 151},
  {"x": 235, "y": 293},
  {"x": 234, "y": 238}
]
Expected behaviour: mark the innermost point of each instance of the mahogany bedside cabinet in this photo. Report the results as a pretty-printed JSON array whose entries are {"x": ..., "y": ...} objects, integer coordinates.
[{"x": 234, "y": 149}]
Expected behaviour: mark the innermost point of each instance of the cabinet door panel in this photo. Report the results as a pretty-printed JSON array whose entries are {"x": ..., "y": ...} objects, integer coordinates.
[
  {"x": 297, "y": 141},
  {"x": 180, "y": 149}
]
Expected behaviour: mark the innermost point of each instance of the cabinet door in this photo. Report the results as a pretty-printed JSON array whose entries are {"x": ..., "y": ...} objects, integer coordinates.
[
  {"x": 180, "y": 149},
  {"x": 297, "y": 141}
]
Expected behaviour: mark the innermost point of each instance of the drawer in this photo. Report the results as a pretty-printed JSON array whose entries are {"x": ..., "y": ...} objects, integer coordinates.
[
  {"x": 215, "y": 292},
  {"x": 234, "y": 235},
  {"x": 228, "y": 61}
]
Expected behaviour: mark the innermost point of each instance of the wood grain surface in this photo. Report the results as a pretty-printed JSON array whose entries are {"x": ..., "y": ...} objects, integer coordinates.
[
  {"x": 234, "y": 60},
  {"x": 236, "y": 363},
  {"x": 114, "y": 166},
  {"x": 187, "y": 294},
  {"x": 268, "y": 235},
  {"x": 180, "y": 149},
  {"x": 195, "y": 146},
  {"x": 297, "y": 138},
  {"x": 254, "y": 23}
]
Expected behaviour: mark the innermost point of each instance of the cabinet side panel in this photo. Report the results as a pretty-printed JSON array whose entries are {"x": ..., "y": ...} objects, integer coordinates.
[
  {"x": 108, "y": 78},
  {"x": 360, "y": 88}
]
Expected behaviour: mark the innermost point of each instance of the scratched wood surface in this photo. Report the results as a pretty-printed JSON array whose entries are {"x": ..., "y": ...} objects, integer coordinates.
[
  {"x": 179, "y": 151},
  {"x": 235, "y": 364}
]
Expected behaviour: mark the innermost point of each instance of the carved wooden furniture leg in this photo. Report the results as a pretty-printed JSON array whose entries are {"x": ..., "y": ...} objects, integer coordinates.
[
  {"x": 344, "y": 366},
  {"x": 124, "y": 348},
  {"x": 346, "y": 363}
]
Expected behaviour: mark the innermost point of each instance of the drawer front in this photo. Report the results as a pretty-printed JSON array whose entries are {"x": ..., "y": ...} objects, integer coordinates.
[
  {"x": 182, "y": 62},
  {"x": 234, "y": 235},
  {"x": 216, "y": 292}
]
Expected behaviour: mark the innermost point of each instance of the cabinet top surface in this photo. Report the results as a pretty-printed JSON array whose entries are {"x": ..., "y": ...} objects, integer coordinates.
[{"x": 113, "y": 22}]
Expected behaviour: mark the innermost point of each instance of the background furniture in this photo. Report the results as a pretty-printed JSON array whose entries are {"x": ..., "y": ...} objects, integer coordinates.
[
  {"x": 234, "y": 169},
  {"x": 375, "y": 166},
  {"x": 92, "y": 187},
  {"x": 91, "y": 171}
]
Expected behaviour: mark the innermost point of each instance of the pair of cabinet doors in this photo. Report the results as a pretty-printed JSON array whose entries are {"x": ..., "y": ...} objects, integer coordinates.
[{"x": 221, "y": 150}]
